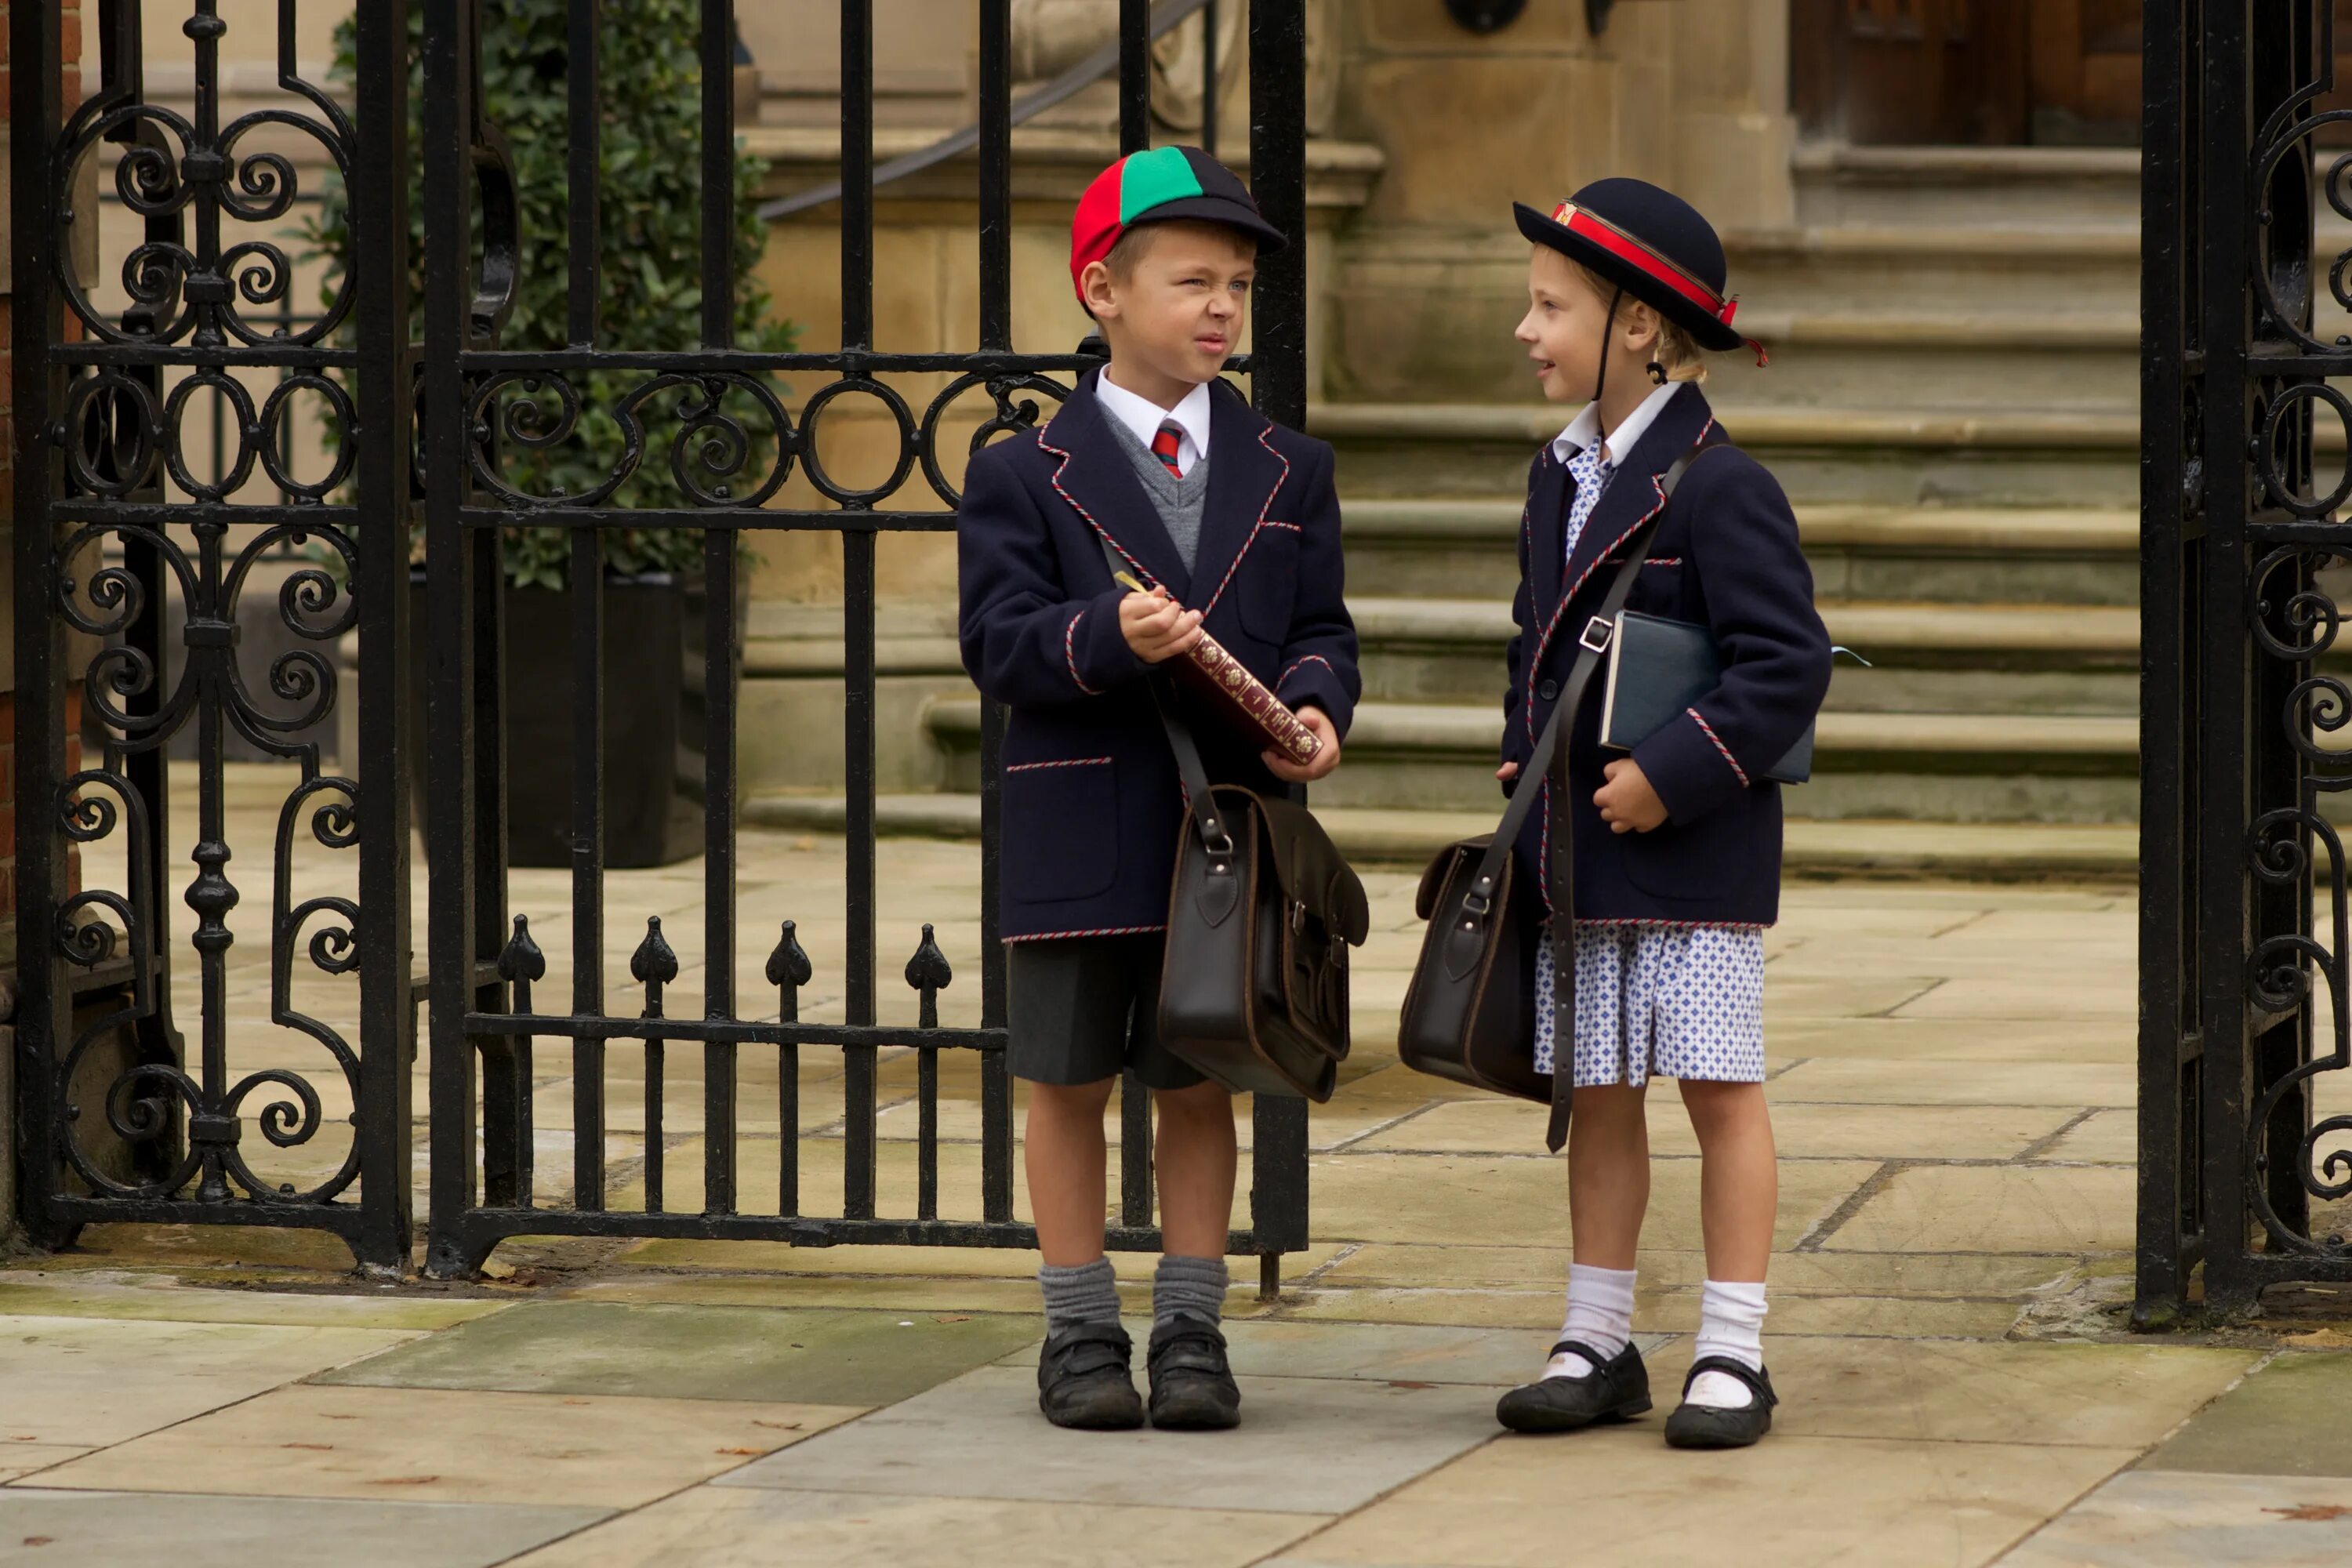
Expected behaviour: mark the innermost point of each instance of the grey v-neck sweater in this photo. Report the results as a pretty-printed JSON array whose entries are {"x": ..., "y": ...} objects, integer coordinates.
[{"x": 1181, "y": 502}]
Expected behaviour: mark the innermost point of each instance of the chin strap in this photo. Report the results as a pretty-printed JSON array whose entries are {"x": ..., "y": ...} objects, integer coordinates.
[{"x": 1608, "y": 330}]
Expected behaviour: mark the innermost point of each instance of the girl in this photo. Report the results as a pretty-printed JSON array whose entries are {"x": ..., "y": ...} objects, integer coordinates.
[{"x": 1675, "y": 863}]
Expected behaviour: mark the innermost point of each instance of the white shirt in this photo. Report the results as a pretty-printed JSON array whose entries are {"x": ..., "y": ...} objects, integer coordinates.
[
  {"x": 1142, "y": 415},
  {"x": 1585, "y": 428}
]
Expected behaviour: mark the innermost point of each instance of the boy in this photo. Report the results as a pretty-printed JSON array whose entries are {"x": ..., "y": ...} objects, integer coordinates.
[{"x": 1232, "y": 524}]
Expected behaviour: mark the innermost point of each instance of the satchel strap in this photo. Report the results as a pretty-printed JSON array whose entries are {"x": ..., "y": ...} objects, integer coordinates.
[
  {"x": 1220, "y": 892},
  {"x": 1551, "y": 748},
  {"x": 1591, "y": 643}
]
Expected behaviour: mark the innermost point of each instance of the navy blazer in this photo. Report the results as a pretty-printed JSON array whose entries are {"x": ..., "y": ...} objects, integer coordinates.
[
  {"x": 1725, "y": 557},
  {"x": 1091, "y": 799}
]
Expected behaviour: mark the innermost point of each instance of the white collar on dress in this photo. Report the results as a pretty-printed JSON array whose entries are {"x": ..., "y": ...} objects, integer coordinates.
[{"x": 1585, "y": 428}]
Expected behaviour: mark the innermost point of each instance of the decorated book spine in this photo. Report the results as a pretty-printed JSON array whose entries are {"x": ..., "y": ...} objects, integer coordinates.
[{"x": 1233, "y": 685}]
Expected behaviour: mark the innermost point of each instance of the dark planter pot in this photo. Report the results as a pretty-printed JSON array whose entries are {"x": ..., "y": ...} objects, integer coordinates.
[{"x": 654, "y": 784}]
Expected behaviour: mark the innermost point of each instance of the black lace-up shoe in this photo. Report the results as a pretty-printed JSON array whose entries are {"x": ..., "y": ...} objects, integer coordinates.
[
  {"x": 1617, "y": 1389},
  {"x": 1192, "y": 1389},
  {"x": 1710, "y": 1427},
  {"x": 1083, "y": 1381}
]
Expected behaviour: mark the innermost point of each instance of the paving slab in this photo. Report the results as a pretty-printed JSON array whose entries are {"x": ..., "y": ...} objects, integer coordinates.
[
  {"x": 18, "y": 1460},
  {"x": 1375, "y": 1353},
  {"x": 2105, "y": 1138},
  {"x": 137, "y": 1530},
  {"x": 1426, "y": 1197},
  {"x": 2027, "y": 1043},
  {"x": 1539, "y": 1311},
  {"x": 914, "y": 1262},
  {"x": 2152, "y": 1519},
  {"x": 739, "y": 1527},
  {"x": 2098, "y": 1396},
  {"x": 1012, "y": 1299},
  {"x": 1799, "y": 1130},
  {"x": 1305, "y": 1446},
  {"x": 2286, "y": 1419},
  {"x": 250, "y": 1247},
  {"x": 126, "y": 1294},
  {"x": 1792, "y": 1273},
  {"x": 446, "y": 1446},
  {"x": 88, "y": 1381},
  {"x": 1861, "y": 1081},
  {"x": 1994, "y": 1208},
  {"x": 1845, "y": 995},
  {"x": 699, "y": 1352},
  {"x": 1802, "y": 1502}
]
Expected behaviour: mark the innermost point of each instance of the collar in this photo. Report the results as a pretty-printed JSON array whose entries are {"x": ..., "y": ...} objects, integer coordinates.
[
  {"x": 1585, "y": 428},
  {"x": 1142, "y": 415}
]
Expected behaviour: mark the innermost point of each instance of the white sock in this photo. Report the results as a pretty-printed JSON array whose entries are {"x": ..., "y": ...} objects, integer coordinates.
[
  {"x": 1731, "y": 1325},
  {"x": 1599, "y": 1314}
]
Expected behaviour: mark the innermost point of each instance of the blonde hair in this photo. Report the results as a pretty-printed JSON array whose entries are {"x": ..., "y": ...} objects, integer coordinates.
[{"x": 1675, "y": 349}]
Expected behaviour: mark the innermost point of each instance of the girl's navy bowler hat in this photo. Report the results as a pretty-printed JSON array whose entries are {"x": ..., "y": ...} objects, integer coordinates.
[{"x": 1653, "y": 245}]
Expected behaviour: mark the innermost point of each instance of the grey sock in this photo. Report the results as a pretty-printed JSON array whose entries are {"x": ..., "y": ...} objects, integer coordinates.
[
  {"x": 1086, "y": 1294},
  {"x": 1194, "y": 1285}
]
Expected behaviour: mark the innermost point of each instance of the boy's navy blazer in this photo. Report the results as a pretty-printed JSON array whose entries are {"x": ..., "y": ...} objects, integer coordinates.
[
  {"x": 1726, "y": 557},
  {"x": 1091, "y": 799}
]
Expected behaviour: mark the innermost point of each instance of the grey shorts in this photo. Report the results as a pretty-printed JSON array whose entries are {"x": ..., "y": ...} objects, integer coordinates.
[{"x": 1084, "y": 1008}]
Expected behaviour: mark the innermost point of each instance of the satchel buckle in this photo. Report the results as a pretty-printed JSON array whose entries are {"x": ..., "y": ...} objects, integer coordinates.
[
  {"x": 1597, "y": 631},
  {"x": 1476, "y": 902}
]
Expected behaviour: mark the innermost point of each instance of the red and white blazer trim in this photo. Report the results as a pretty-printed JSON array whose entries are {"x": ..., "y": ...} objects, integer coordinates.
[
  {"x": 1543, "y": 644},
  {"x": 1708, "y": 730},
  {"x": 1070, "y": 654},
  {"x": 1648, "y": 924},
  {"x": 1264, "y": 439},
  {"x": 1098, "y": 930},
  {"x": 1065, "y": 763},
  {"x": 1310, "y": 658}
]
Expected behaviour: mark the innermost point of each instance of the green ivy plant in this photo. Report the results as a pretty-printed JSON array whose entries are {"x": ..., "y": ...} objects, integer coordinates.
[{"x": 650, "y": 235}]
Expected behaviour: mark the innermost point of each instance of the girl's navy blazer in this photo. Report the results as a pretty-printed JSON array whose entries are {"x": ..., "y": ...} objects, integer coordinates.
[
  {"x": 1091, "y": 800},
  {"x": 1725, "y": 557}
]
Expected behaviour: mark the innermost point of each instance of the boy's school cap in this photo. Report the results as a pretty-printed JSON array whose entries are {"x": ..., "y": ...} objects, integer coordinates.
[
  {"x": 1154, "y": 186},
  {"x": 1652, "y": 243}
]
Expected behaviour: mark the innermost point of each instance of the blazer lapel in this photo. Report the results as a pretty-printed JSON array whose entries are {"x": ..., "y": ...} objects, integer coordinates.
[
  {"x": 1245, "y": 477},
  {"x": 1632, "y": 492},
  {"x": 1547, "y": 516},
  {"x": 1100, "y": 483}
]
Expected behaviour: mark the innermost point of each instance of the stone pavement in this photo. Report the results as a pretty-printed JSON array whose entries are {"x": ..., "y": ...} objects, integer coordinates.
[{"x": 1953, "y": 1089}]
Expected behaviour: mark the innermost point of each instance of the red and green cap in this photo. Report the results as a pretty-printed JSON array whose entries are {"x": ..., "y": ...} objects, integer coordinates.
[{"x": 1155, "y": 187}]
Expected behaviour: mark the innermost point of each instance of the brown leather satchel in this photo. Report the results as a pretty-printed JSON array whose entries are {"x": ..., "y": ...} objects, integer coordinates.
[
  {"x": 1254, "y": 990},
  {"x": 1469, "y": 1011}
]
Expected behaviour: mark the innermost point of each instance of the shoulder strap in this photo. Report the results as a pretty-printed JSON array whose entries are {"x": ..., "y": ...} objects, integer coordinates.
[
  {"x": 1591, "y": 643},
  {"x": 1221, "y": 891}
]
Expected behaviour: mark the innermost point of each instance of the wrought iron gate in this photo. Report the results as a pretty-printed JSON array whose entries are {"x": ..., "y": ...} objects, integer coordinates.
[
  {"x": 2245, "y": 1142},
  {"x": 732, "y": 442},
  {"x": 115, "y": 526}
]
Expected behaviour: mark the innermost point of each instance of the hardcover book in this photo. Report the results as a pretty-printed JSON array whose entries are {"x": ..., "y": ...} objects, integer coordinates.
[
  {"x": 1221, "y": 683},
  {"x": 1659, "y": 667}
]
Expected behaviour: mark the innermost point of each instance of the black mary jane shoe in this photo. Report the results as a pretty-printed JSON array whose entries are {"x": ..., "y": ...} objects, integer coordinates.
[
  {"x": 1083, "y": 1381},
  {"x": 1192, "y": 1388},
  {"x": 1709, "y": 1426},
  {"x": 1617, "y": 1389}
]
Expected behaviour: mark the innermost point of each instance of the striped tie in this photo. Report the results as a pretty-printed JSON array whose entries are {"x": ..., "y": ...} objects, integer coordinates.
[{"x": 1164, "y": 443}]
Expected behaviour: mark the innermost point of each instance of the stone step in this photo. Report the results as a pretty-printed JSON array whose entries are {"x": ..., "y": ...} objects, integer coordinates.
[
  {"x": 1467, "y": 547},
  {"x": 2006, "y": 187},
  {"x": 1923, "y": 658},
  {"x": 1880, "y": 455},
  {"x": 2077, "y": 361},
  {"x": 1406, "y": 839},
  {"x": 1946, "y": 767}
]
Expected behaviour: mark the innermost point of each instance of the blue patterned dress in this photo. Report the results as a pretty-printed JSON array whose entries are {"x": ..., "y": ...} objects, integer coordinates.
[{"x": 1680, "y": 1001}]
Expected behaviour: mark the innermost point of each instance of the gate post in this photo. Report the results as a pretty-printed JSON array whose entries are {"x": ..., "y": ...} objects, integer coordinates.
[{"x": 383, "y": 1117}]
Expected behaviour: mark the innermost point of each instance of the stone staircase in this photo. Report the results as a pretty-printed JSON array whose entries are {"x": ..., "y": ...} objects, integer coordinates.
[{"x": 1952, "y": 406}]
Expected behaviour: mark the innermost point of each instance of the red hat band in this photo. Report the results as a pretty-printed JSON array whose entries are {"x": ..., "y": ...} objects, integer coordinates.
[{"x": 1618, "y": 243}]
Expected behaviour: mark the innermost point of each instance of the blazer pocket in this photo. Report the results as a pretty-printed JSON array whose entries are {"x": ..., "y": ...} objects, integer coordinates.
[
  {"x": 1060, "y": 829},
  {"x": 1688, "y": 862},
  {"x": 1268, "y": 583}
]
